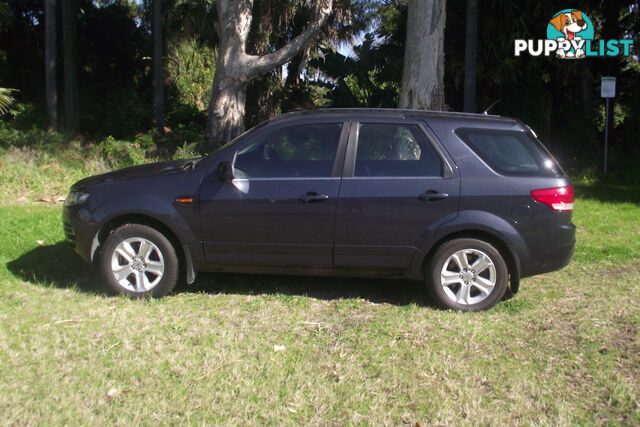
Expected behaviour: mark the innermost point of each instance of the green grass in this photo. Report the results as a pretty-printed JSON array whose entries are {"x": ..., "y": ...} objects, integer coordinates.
[
  {"x": 565, "y": 350},
  {"x": 609, "y": 224}
]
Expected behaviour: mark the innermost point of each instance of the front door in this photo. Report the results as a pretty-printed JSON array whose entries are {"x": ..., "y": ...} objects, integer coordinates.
[
  {"x": 396, "y": 187},
  {"x": 280, "y": 208}
]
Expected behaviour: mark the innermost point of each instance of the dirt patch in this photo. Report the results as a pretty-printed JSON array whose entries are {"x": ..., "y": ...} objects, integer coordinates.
[{"x": 625, "y": 340}]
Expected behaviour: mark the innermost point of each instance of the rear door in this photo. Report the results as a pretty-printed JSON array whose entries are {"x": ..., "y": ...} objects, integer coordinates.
[
  {"x": 397, "y": 186},
  {"x": 280, "y": 208}
]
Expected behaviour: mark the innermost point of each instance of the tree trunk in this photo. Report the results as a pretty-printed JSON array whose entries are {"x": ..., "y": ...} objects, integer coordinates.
[
  {"x": 158, "y": 81},
  {"x": 470, "y": 53},
  {"x": 226, "y": 107},
  {"x": 235, "y": 68},
  {"x": 50, "y": 55},
  {"x": 423, "y": 72},
  {"x": 70, "y": 69}
]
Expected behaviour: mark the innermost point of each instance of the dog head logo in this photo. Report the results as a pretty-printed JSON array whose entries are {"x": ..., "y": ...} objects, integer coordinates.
[
  {"x": 570, "y": 28},
  {"x": 569, "y": 23}
]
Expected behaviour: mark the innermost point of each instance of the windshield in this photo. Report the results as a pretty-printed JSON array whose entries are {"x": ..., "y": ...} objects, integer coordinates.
[{"x": 242, "y": 135}]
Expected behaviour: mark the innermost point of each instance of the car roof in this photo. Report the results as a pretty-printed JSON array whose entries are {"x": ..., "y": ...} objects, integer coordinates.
[{"x": 386, "y": 113}]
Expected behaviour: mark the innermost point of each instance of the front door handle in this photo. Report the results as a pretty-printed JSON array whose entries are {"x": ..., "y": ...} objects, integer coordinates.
[
  {"x": 312, "y": 197},
  {"x": 432, "y": 195}
]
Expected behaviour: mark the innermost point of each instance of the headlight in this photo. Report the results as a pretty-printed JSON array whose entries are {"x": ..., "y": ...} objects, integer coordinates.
[{"x": 76, "y": 198}]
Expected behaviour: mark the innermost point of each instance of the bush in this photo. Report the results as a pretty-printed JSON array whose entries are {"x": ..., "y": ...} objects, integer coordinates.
[
  {"x": 26, "y": 117},
  {"x": 35, "y": 138},
  {"x": 187, "y": 151},
  {"x": 121, "y": 153}
]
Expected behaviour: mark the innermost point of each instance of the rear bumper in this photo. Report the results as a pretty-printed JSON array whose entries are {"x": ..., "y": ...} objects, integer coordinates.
[{"x": 554, "y": 254}]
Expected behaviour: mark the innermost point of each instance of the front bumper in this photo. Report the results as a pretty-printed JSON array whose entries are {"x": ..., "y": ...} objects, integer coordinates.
[{"x": 79, "y": 230}]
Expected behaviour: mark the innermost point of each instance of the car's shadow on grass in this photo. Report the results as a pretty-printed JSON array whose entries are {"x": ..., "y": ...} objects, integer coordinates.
[
  {"x": 609, "y": 193},
  {"x": 54, "y": 265},
  {"x": 391, "y": 291},
  {"x": 58, "y": 266}
]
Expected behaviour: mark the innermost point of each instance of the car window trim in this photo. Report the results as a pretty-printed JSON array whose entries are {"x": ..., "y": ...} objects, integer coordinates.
[
  {"x": 401, "y": 178},
  {"x": 288, "y": 178},
  {"x": 447, "y": 170},
  {"x": 341, "y": 150}
]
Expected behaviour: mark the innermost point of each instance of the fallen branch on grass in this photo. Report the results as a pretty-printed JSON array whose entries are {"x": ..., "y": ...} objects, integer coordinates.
[
  {"x": 59, "y": 322},
  {"x": 215, "y": 370}
]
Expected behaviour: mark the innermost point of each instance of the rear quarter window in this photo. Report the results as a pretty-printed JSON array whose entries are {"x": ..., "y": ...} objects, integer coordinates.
[{"x": 510, "y": 152}]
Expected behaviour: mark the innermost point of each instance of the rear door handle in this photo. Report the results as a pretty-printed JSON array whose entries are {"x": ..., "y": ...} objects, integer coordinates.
[
  {"x": 312, "y": 197},
  {"x": 432, "y": 195}
]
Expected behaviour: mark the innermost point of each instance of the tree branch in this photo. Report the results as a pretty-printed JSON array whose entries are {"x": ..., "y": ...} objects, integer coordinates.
[{"x": 258, "y": 65}]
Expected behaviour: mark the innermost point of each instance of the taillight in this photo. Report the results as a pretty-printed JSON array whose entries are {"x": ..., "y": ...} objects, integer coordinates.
[{"x": 558, "y": 198}]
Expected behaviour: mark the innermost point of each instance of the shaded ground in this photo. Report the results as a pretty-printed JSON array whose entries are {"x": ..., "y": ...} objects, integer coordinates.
[
  {"x": 57, "y": 265},
  {"x": 609, "y": 193}
]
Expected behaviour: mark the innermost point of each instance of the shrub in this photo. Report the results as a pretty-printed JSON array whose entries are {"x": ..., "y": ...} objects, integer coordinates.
[
  {"x": 122, "y": 153},
  {"x": 187, "y": 151}
]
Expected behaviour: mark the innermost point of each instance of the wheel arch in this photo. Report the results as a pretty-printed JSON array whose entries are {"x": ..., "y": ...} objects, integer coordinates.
[
  {"x": 510, "y": 257},
  {"x": 112, "y": 224}
]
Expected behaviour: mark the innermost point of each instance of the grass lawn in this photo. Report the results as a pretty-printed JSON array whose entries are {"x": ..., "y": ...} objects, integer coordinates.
[{"x": 282, "y": 350}]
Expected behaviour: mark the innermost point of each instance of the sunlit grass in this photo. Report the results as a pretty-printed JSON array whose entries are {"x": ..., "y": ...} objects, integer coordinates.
[{"x": 290, "y": 350}]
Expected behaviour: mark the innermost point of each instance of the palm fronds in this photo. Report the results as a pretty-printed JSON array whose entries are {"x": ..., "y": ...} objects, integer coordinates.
[
  {"x": 5, "y": 99},
  {"x": 5, "y": 94}
]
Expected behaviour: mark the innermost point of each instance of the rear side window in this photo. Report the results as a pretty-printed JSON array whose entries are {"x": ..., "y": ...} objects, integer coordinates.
[
  {"x": 510, "y": 152},
  {"x": 389, "y": 149}
]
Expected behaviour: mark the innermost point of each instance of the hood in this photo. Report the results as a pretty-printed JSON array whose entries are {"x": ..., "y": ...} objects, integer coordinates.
[{"x": 173, "y": 167}]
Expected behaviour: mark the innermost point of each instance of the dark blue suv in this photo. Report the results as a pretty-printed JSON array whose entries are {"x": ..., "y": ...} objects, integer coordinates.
[{"x": 467, "y": 203}]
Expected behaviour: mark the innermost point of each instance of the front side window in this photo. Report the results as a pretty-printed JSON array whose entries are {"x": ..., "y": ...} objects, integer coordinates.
[
  {"x": 296, "y": 151},
  {"x": 387, "y": 149}
]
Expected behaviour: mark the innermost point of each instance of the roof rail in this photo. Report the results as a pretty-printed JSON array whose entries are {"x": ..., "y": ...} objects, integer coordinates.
[{"x": 398, "y": 112}]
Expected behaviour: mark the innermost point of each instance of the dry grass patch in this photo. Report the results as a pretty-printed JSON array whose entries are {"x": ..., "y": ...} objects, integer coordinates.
[{"x": 219, "y": 357}]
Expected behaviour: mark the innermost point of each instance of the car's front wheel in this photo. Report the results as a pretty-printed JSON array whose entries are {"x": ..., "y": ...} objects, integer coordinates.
[
  {"x": 138, "y": 261},
  {"x": 467, "y": 275}
]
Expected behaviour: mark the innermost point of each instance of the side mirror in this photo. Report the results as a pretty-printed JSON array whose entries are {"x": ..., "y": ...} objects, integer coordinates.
[{"x": 225, "y": 171}]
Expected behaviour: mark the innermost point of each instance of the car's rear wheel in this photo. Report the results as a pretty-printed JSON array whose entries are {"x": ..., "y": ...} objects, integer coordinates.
[
  {"x": 138, "y": 261},
  {"x": 467, "y": 275}
]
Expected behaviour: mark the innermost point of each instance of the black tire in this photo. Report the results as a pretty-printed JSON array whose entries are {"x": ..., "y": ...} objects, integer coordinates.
[
  {"x": 473, "y": 250},
  {"x": 162, "y": 252}
]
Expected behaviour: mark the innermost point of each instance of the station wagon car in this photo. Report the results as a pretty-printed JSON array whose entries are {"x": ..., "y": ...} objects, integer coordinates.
[{"x": 467, "y": 204}]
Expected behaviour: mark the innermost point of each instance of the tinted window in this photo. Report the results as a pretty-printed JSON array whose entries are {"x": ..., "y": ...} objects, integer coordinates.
[
  {"x": 509, "y": 152},
  {"x": 296, "y": 151},
  {"x": 395, "y": 150}
]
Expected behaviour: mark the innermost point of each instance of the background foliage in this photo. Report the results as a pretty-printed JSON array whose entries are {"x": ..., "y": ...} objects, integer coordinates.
[{"x": 357, "y": 61}]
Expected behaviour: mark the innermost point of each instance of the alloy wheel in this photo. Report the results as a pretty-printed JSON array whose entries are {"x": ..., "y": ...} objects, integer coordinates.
[
  {"x": 137, "y": 264},
  {"x": 468, "y": 276}
]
